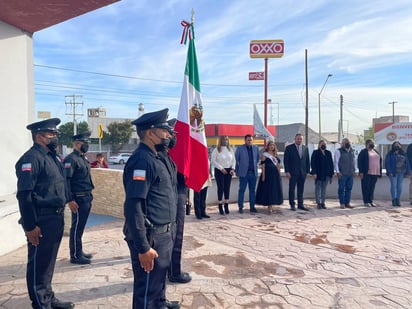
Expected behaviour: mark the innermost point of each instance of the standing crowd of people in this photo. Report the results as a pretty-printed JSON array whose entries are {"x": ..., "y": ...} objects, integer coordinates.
[{"x": 156, "y": 197}]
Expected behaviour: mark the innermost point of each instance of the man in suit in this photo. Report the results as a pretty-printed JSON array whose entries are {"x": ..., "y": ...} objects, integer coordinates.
[
  {"x": 296, "y": 161},
  {"x": 247, "y": 158}
]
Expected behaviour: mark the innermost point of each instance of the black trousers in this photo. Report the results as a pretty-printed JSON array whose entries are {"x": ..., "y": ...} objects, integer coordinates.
[
  {"x": 149, "y": 288},
  {"x": 368, "y": 184},
  {"x": 299, "y": 182},
  {"x": 199, "y": 199},
  {"x": 223, "y": 183},
  {"x": 41, "y": 260},
  {"x": 176, "y": 261},
  {"x": 79, "y": 220}
]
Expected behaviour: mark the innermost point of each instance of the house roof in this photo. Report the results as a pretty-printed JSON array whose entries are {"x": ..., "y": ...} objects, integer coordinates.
[{"x": 35, "y": 15}]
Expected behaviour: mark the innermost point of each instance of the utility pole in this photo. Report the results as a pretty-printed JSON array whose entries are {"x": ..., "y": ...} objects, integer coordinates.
[
  {"x": 306, "y": 100},
  {"x": 393, "y": 110},
  {"x": 72, "y": 101},
  {"x": 340, "y": 125}
]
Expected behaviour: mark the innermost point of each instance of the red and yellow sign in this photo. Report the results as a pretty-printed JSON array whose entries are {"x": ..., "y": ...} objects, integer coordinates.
[{"x": 266, "y": 48}]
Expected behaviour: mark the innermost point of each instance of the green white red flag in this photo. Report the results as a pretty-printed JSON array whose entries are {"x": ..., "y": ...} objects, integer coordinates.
[{"x": 190, "y": 153}]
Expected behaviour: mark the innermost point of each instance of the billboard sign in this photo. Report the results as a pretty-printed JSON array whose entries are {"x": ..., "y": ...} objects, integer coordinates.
[
  {"x": 256, "y": 75},
  {"x": 400, "y": 131},
  {"x": 266, "y": 48}
]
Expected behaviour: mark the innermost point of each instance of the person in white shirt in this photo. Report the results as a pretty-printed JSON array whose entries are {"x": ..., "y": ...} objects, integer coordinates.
[{"x": 223, "y": 160}]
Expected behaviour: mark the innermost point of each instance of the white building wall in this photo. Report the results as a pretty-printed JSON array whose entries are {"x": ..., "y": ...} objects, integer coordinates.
[{"x": 17, "y": 110}]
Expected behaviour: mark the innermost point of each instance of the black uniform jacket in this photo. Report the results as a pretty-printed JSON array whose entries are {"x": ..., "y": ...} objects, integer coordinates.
[
  {"x": 40, "y": 184},
  {"x": 150, "y": 194}
]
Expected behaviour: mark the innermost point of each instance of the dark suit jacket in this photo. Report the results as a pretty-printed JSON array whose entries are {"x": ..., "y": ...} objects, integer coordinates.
[{"x": 293, "y": 163}]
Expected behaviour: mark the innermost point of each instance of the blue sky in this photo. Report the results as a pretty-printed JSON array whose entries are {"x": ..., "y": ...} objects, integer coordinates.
[{"x": 130, "y": 53}]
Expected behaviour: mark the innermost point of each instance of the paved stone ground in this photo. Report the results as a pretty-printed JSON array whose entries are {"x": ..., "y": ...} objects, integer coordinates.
[{"x": 334, "y": 258}]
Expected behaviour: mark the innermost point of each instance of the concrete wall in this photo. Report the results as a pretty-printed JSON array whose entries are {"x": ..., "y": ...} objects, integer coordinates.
[
  {"x": 109, "y": 195},
  {"x": 17, "y": 106}
]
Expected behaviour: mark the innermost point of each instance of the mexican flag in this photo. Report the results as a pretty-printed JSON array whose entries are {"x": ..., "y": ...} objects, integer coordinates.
[{"x": 190, "y": 153}]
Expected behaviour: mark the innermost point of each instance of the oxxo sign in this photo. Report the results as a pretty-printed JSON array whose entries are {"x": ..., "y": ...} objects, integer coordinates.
[{"x": 266, "y": 48}]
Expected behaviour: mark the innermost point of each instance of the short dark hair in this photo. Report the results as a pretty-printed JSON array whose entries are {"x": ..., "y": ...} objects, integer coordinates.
[
  {"x": 247, "y": 136},
  {"x": 368, "y": 141}
]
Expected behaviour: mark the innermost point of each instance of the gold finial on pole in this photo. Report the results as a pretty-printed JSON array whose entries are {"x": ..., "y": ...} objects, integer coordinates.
[{"x": 193, "y": 16}]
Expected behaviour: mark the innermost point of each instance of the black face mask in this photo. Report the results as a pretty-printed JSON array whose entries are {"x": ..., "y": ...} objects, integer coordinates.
[
  {"x": 323, "y": 147},
  {"x": 347, "y": 145},
  {"x": 371, "y": 146},
  {"x": 84, "y": 147},
  {"x": 172, "y": 142},
  {"x": 164, "y": 144},
  {"x": 53, "y": 142}
]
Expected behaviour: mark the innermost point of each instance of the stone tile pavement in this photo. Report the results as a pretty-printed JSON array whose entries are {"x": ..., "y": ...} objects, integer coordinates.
[{"x": 333, "y": 258}]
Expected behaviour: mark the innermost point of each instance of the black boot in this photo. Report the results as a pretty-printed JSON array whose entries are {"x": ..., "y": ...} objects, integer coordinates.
[
  {"x": 398, "y": 202},
  {"x": 394, "y": 202},
  {"x": 221, "y": 209},
  {"x": 226, "y": 208}
]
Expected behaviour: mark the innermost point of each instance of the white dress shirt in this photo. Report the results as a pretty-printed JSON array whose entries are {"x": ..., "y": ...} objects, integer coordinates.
[{"x": 223, "y": 159}]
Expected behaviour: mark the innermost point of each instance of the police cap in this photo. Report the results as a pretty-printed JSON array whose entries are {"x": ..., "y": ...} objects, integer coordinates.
[
  {"x": 152, "y": 120},
  {"x": 82, "y": 137},
  {"x": 171, "y": 123},
  {"x": 44, "y": 125}
]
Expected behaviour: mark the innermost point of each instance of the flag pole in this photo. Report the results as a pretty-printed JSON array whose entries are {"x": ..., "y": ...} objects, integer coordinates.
[{"x": 193, "y": 17}]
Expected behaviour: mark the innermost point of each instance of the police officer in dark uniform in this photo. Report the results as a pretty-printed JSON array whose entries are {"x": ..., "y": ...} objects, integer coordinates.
[
  {"x": 77, "y": 171},
  {"x": 42, "y": 194},
  {"x": 150, "y": 211},
  {"x": 175, "y": 270}
]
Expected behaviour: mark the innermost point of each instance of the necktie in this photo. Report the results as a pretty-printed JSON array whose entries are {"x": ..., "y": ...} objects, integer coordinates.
[{"x": 300, "y": 150}]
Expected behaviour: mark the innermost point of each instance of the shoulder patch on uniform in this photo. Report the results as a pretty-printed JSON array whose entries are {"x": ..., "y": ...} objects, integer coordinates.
[
  {"x": 26, "y": 167},
  {"x": 139, "y": 175},
  {"x": 67, "y": 165}
]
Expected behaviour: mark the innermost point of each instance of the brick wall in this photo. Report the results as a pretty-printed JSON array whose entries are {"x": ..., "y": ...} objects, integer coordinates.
[{"x": 108, "y": 194}]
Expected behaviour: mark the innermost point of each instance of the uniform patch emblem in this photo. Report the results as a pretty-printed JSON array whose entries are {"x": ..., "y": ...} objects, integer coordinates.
[
  {"x": 139, "y": 175},
  {"x": 26, "y": 167},
  {"x": 68, "y": 165}
]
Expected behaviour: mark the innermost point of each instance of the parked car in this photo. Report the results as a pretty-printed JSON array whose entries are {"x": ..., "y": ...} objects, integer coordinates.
[{"x": 120, "y": 158}]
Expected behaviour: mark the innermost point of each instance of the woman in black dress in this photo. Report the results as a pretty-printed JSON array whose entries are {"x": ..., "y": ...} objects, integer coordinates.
[{"x": 269, "y": 190}]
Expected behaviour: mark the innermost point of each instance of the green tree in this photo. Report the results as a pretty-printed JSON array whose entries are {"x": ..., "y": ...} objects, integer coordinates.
[
  {"x": 66, "y": 132},
  {"x": 367, "y": 134},
  {"x": 119, "y": 134}
]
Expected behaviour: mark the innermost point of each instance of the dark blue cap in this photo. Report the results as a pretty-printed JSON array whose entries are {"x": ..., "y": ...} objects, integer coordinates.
[
  {"x": 82, "y": 137},
  {"x": 172, "y": 123},
  {"x": 152, "y": 120},
  {"x": 44, "y": 125}
]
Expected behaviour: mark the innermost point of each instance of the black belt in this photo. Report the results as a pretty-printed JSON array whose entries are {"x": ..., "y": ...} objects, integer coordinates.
[
  {"x": 80, "y": 194},
  {"x": 49, "y": 211},
  {"x": 163, "y": 228}
]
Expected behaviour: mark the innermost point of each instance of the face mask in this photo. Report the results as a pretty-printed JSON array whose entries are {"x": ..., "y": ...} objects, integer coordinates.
[
  {"x": 164, "y": 144},
  {"x": 172, "y": 142},
  {"x": 84, "y": 147},
  {"x": 323, "y": 147},
  {"x": 224, "y": 143},
  {"x": 347, "y": 145},
  {"x": 371, "y": 146},
  {"x": 53, "y": 142}
]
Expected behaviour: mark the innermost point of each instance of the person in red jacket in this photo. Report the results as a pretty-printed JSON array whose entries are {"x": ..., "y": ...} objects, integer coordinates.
[{"x": 100, "y": 162}]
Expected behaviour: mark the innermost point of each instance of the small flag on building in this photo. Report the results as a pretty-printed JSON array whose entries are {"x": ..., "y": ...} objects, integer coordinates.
[{"x": 259, "y": 128}]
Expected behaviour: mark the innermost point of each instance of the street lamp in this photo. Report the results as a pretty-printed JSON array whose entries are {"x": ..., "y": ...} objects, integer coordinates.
[{"x": 320, "y": 92}]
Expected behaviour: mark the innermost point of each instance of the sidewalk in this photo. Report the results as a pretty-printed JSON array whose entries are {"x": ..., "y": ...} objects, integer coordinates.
[{"x": 333, "y": 258}]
